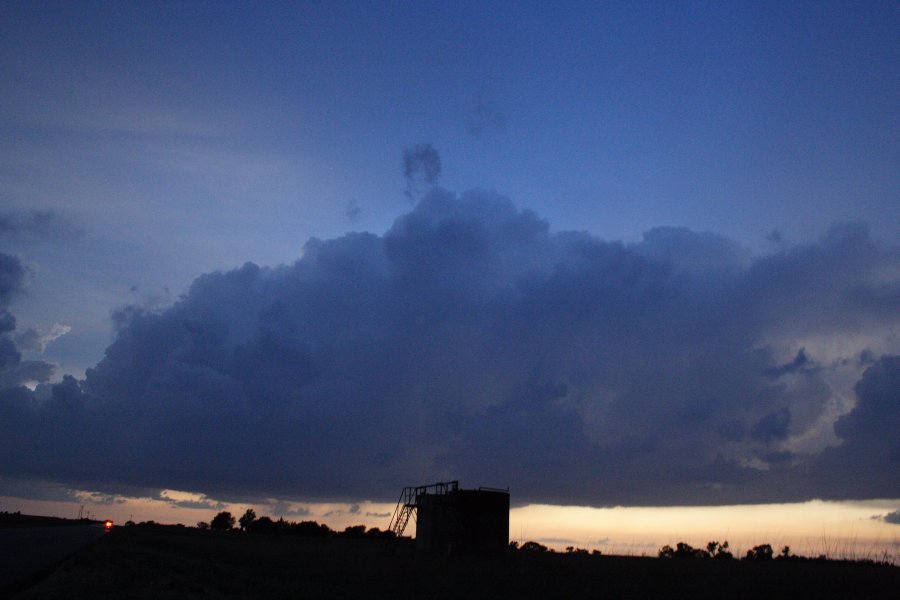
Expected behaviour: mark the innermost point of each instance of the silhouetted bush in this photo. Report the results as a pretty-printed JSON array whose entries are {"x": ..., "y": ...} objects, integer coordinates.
[
  {"x": 201, "y": 525},
  {"x": 719, "y": 551},
  {"x": 761, "y": 552},
  {"x": 683, "y": 550},
  {"x": 786, "y": 554}
]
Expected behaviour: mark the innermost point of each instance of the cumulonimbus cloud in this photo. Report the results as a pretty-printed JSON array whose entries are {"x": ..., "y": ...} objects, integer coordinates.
[{"x": 471, "y": 342}]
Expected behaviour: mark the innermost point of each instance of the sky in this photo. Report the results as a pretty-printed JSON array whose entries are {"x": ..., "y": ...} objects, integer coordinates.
[{"x": 634, "y": 254}]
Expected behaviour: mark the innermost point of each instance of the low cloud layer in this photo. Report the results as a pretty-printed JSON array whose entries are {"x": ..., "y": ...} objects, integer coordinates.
[{"x": 471, "y": 342}]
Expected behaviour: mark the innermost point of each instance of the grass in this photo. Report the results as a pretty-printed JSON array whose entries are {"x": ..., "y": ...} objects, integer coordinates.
[{"x": 171, "y": 562}]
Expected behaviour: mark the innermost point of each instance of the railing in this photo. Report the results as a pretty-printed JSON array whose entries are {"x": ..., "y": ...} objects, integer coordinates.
[{"x": 407, "y": 503}]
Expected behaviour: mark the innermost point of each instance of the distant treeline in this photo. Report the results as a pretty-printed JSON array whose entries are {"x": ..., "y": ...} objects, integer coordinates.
[
  {"x": 713, "y": 551},
  {"x": 250, "y": 523},
  {"x": 762, "y": 552}
]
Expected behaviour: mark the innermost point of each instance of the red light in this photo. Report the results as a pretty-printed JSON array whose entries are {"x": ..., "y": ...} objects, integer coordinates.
[{"x": 108, "y": 524}]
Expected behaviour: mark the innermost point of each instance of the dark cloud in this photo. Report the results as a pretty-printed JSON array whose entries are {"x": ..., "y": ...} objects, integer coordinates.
[
  {"x": 12, "y": 278},
  {"x": 13, "y": 370},
  {"x": 36, "y": 489},
  {"x": 774, "y": 236},
  {"x": 26, "y": 372},
  {"x": 10, "y": 357},
  {"x": 37, "y": 224},
  {"x": 35, "y": 341},
  {"x": 353, "y": 210},
  {"x": 285, "y": 509},
  {"x": 869, "y": 455},
  {"x": 19, "y": 222},
  {"x": 421, "y": 170},
  {"x": 470, "y": 342},
  {"x": 692, "y": 251},
  {"x": 799, "y": 364},
  {"x": 891, "y": 517},
  {"x": 773, "y": 426},
  {"x": 201, "y": 504}
]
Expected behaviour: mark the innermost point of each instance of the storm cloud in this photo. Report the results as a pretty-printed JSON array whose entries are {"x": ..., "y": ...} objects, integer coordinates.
[
  {"x": 14, "y": 371},
  {"x": 12, "y": 278},
  {"x": 471, "y": 342}
]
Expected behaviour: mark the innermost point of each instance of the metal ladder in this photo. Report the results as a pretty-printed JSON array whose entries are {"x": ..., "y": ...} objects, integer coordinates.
[{"x": 406, "y": 505}]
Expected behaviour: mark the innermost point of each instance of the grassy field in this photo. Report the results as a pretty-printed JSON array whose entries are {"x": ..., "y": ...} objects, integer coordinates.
[{"x": 170, "y": 562}]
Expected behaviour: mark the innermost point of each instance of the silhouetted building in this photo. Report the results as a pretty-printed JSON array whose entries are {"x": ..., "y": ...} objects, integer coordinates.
[{"x": 450, "y": 520}]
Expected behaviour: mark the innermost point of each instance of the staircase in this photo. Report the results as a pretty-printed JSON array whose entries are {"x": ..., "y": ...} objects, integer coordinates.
[{"x": 406, "y": 505}]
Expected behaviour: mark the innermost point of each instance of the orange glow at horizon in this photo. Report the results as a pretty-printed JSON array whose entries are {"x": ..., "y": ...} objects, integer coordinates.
[{"x": 849, "y": 529}]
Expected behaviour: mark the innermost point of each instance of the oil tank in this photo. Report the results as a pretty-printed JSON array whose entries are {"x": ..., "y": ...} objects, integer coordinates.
[{"x": 461, "y": 521}]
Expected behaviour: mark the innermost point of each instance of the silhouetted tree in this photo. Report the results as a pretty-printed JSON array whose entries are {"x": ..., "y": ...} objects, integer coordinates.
[
  {"x": 719, "y": 551},
  {"x": 354, "y": 531},
  {"x": 377, "y": 533},
  {"x": 310, "y": 529},
  {"x": 533, "y": 547},
  {"x": 224, "y": 521},
  {"x": 201, "y": 525},
  {"x": 264, "y": 525},
  {"x": 683, "y": 550},
  {"x": 761, "y": 552},
  {"x": 246, "y": 522}
]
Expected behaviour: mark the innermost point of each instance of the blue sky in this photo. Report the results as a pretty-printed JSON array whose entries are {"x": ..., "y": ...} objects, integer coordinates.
[{"x": 632, "y": 196}]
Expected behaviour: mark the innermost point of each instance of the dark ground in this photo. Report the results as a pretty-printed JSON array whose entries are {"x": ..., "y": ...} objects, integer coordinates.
[
  {"x": 170, "y": 562},
  {"x": 31, "y": 547}
]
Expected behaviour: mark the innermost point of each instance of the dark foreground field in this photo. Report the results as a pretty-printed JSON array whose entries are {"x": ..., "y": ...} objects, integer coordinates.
[{"x": 168, "y": 562}]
